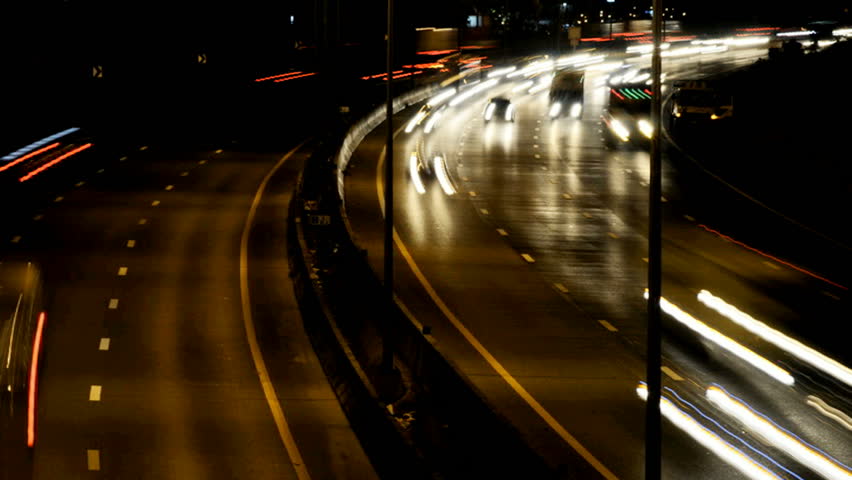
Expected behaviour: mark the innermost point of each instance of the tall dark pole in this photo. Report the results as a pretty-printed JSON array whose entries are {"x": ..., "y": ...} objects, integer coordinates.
[
  {"x": 653, "y": 446},
  {"x": 387, "y": 344}
]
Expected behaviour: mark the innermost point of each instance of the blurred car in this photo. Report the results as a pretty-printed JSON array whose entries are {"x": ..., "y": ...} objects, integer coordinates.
[
  {"x": 627, "y": 118},
  {"x": 21, "y": 336},
  {"x": 696, "y": 101},
  {"x": 499, "y": 108},
  {"x": 566, "y": 94}
]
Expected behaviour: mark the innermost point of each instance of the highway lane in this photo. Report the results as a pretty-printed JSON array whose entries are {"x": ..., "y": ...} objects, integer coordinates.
[
  {"x": 148, "y": 372},
  {"x": 579, "y": 212}
]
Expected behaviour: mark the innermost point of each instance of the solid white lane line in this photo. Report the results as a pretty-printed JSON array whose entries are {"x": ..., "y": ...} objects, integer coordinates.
[
  {"x": 528, "y": 257},
  {"x": 170, "y": 188},
  {"x": 59, "y": 198},
  {"x": 503, "y": 233},
  {"x": 93, "y": 460},
  {"x": 143, "y": 221},
  {"x": 104, "y": 344},
  {"x": 608, "y": 325},
  {"x": 113, "y": 303},
  {"x": 122, "y": 271},
  {"x": 561, "y": 288},
  {"x": 251, "y": 334},
  {"x": 95, "y": 393},
  {"x": 16, "y": 239},
  {"x": 131, "y": 243},
  {"x": 155, "y": 203},
  {"x": 671, "y": 373}
]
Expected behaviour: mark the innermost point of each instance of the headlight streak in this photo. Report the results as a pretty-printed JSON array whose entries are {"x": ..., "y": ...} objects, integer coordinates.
[
  {"x": 809, "y": 455},
  {"x": 37, "y": 144},
  {"x": 555, "y": 109},
  {"x": 433, "y": 120},
  {"x": 620, "y": 130},
  {"x": 829, "y": 411},
  {"x": 501, "y": 71},
  {"x": 646, "y": 128},
  {"x": 472, "y": 91},
  {"x": 732, "y": 434},
  {"x": 412, "y": 124},
  {"x": 443, "y": 177},
  {"x": 576, "y": 110},
  {"x": 793, "y": 347},
  {"x": 509, "y": 112},
  {"x": 489, "y": 111},
  {"x": 533, "y": 68},
  {"x": 710, "y": 440},
  {"x": 415, "y": 174},
  {"x": 442, "y": 96},
  {"x": 726, "y": 343},
  {"x": 523, "y": 86}
]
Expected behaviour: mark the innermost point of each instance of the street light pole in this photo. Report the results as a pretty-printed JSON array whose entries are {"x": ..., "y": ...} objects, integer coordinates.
[
  {"x": 653, "y": 446},
  {"x": 387, "y": 343}
]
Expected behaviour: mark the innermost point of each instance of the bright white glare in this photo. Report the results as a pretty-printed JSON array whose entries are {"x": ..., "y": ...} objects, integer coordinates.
[
  {"x": 641, "y": 77},
  {"x": 681, "y": 52},
  {"x": 543, "y": 84},
  {"x": 433, "y": 120},
  {"x": 555, "y": 109},
  {"x": 760, "y": 424},
  {"x": 726, "y": 343},
  {"x": 801, "y": 33},
  {"x": 412, "y": 124},
  {"x": 647, "y": 48},
  {"x": 620, "y": 130},
  {"x": 534, "y": 67},
  {"x": 523, "y": 86},
  {"x": 825, "y": 43},
  {"x": 645, "y": 127},
  {"x": 443, "y": 178},
  {"x": 489, "y": 111},
  {"x": 714, "y": 49},
  {"x": 415, "y": 175},
  {"x": 604, "y": 67},
  {"x": 501, "y": 71},
  {"x": 572, "y": 59},
  {"x": 442, "y": 96},
  {"x": 590, "y": 61},
  {"x": 576, "y": 110},
  {"x": 472, "y": 91},
  {"x": 509, "y": 111},
  {"x": 793, "y": 347},
  {"x": 709, "y": 439},
  {"x": 830, "y": 412},
  {"x": 747, "y": 41},
  {"x": 842, "y": 32}
]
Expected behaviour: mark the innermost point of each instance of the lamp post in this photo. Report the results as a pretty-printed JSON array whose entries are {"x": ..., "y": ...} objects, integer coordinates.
[{"x": 387, "y": 342}]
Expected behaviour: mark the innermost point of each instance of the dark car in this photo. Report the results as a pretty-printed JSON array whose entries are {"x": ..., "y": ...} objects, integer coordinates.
[{"x": 499, "y": 108}]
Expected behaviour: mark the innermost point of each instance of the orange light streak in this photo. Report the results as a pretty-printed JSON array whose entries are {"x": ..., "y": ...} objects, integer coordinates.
[
  {"x": 31, "y": 404},
  {"x": 794, "y": 267},
  {"x": 293, "y": 78},
  {"x": 276, "y": 76},
  {"x": 53, "y": 162},
  {"x": 29, "y": 155}
]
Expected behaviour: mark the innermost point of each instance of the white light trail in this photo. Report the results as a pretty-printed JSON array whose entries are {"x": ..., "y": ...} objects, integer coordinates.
[
  {"x": 443, "y": 177},
  {"x": 501, "y": 71},
  {"x": 555, "y": 109},
  {"x": 793, "y": 347},
  {"x": 726, "y": 343},
  {"x": 412, "y": 124},
  {"x": 472, "y": 91},
  {"x": 709, "y": 439},
  {"x": 830, "y": 412},
  {"x": 442, "y": 96},
  {"x": 415, "y": 174},
  {"x": 761, "y": 425},
  {"x": 523, "y": 86},
  {"x": 433, "y": 120}
]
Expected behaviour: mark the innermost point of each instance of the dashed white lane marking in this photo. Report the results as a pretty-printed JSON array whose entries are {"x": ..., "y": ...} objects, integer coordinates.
[
  {"x": 93, "y": 460},
  {"x": 544, "y": 167},
  {"x": 143, "y": 147},
  {"x": 101, "y": 171},
  {"x": 38, "y": 217},
  {"x": 537, "y": 155},
  {"x": 122, "y": 271},
  {"x": 59, "y": 199},
  {"x": 472, "y": 194},
  {"x": 170, "y": 187},
  {"x": 80, "y": 183},
  {"x": 95, "y": 393},
  {"x": 831, "y": 295},
  {"x": 131, "y": 243},
  {"x": 607, "y": 325},
  {"x": 184, "y": 174},
  {"x": 202, "y": 162},
  {"x": 671, "y": 373},
  {"x": 561, "y": 288},
  {"x": 643, "y": 183},
  {"x": 771, "y": 265},
  {"x": 503, "y": 233},
  {"x": 460, "y": 154},
  {"x": 537, "y": 129},
  {"x": 104, "y": 344},
  {"x": 113, "y": 303},
  {"x": 535, "y": 145},
  {"x": 143, "y": 221},
  {"x": 155, "y": 203},
  {"x": 528, "y": 257},
  {"x": 567, "y": 196},
  {"x": 613, "y": 235},
  {"x": 16, "y": 239},
  {"x": 122, "y": 159},
  {"x": 691, "y": 219},
  {"x": 484, "y": 211},
  {"x": 219, "y": 151}
]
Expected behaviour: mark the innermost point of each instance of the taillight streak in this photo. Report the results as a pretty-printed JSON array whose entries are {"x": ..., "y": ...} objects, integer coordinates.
[
  {"x": 53, "y": 162},
  {"x": 31, "y": 403}
]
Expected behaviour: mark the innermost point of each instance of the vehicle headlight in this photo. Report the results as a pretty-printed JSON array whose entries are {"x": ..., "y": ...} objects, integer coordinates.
[
  {"x": 620, "y": 130},
  {"x": 576, "y": 109},
  {"x": 646, "y": 128},
  {"x": 555, "y": 109},
  {"x": 508, "y": 115},
  {"x": 489, "y": 111}
]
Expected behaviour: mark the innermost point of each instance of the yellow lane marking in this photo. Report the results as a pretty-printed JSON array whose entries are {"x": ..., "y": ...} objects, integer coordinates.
[
  {"x": 131, "y": 243},
  {"x": 671, "y": 373},
  {"x": 486, "y": 355},
  {"x": 528, "y": 257},
  {"x": 503, "y": 233},
  {"x": 561, "y": 288},
  {"x": 93, "y": 460},
  {"x": 613, "y": 235},
  {"x": 608, "y": 325},
  {"x": 484, "y": 211},
  {"x": 251, "y": 334},
  {"x": 155, "y": 203}
]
